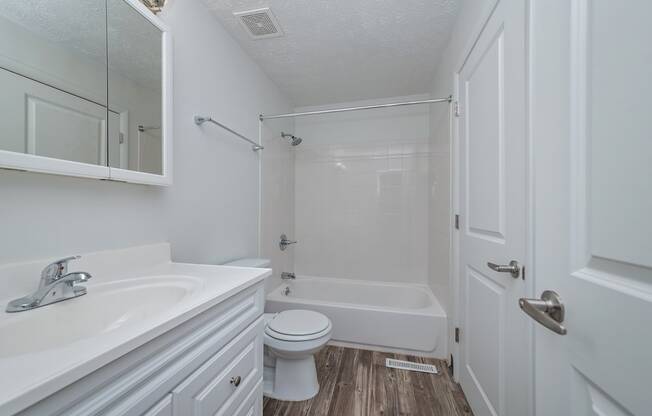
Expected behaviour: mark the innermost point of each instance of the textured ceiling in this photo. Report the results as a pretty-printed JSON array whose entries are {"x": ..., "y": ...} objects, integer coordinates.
[
  {"x": 345, "y": 50},
  {"x": 135, "y": 48}
]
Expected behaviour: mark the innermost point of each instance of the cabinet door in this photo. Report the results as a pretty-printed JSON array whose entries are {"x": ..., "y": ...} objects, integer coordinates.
[
  {"x": 253, "y": 404},
  {"x": 162, "y": 408},
  {"x": 221, "y": 384}
]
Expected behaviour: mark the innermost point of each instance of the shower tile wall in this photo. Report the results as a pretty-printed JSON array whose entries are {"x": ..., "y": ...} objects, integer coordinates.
[
  {"x": 277, "y": 202},
  {"x": 361, "y": 194},
  {"x": 440, "y": 217}
]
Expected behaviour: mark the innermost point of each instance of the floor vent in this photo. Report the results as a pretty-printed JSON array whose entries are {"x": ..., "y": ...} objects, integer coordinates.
[
  {"x": 407, "y": 365},
  {"x": 259, "y": 23}
]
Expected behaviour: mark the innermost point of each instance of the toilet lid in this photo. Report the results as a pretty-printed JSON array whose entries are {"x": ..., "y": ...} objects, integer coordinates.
[{"x": 298, "y": 322}]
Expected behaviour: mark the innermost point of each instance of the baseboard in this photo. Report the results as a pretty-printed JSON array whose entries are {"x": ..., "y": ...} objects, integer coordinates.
[{"x": 432, "y": 354}]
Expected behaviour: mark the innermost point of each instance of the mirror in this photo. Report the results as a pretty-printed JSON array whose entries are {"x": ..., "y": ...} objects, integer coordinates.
[
  {"x": 83, "y": 82},
  {"x": 135, "y": 90},
  {"x": 53, "y": 79}
]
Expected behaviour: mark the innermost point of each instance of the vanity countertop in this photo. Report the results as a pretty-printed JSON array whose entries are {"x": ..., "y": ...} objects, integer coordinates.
[{"x": 134, "y": 296}]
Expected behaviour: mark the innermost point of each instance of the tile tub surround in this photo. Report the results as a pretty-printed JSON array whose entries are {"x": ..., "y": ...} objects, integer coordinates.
[
  {"x": 361, "y": 194},
  {"x": 37, "y": 374}
]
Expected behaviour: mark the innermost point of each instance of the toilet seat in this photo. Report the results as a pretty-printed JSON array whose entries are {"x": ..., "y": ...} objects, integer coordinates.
[{"x": 298, "y": 325}]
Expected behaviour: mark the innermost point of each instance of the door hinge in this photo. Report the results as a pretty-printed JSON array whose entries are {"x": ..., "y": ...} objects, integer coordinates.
[
  {"x": 458, "y": 112},
  {"x": 457, "y": 221},
  {"x": 457, "y": 335},
  {"x": 122, "y": 138}
]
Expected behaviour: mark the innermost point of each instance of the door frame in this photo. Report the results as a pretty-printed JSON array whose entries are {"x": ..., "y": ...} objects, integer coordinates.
[{"x": 528, "y": 270}]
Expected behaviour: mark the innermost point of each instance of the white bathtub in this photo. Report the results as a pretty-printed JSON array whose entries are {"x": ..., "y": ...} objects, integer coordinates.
[{"x": 383, "y": 316}]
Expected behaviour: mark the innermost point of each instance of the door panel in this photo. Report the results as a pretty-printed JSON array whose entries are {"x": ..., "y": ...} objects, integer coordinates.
[
  {"x": 494, "y": 353},
  {"x": 51, "y": 122},
  {"x": 66, "y": 127},
  {"x": 610, "y": 205},
  {"x": 590, "y": 124},
  {"x": 485, "y": 144},
  {"x": 484, "y": 336},
  {"x": 591, "y": 400},
  {"x": 618, "y": 131}
]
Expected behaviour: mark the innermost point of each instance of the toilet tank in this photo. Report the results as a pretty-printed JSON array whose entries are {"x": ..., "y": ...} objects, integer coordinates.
[{"x": 249, "y": 262}]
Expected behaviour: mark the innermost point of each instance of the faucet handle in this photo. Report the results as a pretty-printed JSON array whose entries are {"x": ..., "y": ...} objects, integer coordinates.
[
  {"x": 57, "y": 269},
  {"x": 76, "y": 277},
  {"x": 284, "y": 243}
]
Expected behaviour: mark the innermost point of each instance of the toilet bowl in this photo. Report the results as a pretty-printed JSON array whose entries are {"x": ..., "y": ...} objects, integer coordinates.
[{"x": 292, "y": 338}]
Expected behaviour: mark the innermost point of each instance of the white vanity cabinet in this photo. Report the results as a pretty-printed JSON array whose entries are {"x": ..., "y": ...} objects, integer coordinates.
[{"x": 208, "y": 365}]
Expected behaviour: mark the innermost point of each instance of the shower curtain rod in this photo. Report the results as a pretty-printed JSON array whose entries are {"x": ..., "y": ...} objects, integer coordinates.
[{"x": 365, "y": 107}]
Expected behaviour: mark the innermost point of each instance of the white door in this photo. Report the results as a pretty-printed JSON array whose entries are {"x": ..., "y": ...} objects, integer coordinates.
[
  {"x": 150, "y": 150},
  {"x": 116, "y": 139},
  {"x": 592, "y": 145},
  {"x": 50, "y": 122},
  {"x": 494, "y": 344}
]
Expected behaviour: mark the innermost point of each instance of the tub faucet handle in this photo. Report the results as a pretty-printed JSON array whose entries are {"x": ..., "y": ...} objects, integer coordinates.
[{"x": 285, "y": 242}]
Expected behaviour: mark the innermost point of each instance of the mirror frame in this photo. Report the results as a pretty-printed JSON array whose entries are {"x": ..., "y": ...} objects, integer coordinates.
[{"x": 42, "y": 164}]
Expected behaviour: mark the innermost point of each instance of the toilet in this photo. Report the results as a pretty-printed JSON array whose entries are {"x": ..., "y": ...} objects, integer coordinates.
[{"x": 292, "y": 338}]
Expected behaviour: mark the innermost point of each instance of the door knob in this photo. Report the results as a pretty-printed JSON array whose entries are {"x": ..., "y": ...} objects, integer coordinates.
[
  {"x": 236, "y": 380},
  {"x": 512, "y": 268},
  {"x": 548, "y": 311}
]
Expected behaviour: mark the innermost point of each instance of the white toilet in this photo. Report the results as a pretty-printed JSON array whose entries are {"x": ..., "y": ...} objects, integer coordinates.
[{"x": 291, "y": 340}]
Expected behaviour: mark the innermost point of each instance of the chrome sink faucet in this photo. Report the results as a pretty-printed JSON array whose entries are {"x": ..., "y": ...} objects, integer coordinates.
[{"x": 56, "y": 285}]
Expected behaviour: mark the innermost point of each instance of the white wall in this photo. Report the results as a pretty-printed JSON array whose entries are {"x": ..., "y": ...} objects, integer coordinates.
[
  {"x": 214, "y": 203},
  {"x": 471, "y": 18},
  {"x": 361, "y": 193},
  {"x": 209, "y": 215}
]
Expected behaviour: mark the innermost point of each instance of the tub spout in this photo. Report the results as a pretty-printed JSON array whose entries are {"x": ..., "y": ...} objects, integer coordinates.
[{"x": 288, "y": 276}]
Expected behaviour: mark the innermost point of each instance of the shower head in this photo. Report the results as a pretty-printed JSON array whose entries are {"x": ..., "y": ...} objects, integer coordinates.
[{"x": 294, "y": 140}]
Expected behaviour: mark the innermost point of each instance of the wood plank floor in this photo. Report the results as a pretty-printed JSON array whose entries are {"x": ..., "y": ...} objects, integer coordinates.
[{"x": 356, "y": 383}]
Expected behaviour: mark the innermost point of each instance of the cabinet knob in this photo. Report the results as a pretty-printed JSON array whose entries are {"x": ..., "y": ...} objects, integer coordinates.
[{"x": 236, "y": 380}]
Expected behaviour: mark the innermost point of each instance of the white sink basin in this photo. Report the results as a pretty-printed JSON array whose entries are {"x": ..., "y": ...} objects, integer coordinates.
[
  {"x": 134, "y": 296},
  {"x": 106, "y": 307}
]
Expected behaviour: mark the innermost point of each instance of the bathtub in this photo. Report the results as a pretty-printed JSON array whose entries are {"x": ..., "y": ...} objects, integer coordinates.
[{"x": 381, "y": 316}]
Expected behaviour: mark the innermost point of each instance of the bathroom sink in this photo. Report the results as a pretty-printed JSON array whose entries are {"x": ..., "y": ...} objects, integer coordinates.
[
  {"x": 134, "y": 296},
  {"x": 106, "y": 308}
]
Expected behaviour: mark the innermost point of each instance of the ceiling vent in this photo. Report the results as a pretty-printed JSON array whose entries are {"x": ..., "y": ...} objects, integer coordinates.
[{"x": 259, "y": 23}]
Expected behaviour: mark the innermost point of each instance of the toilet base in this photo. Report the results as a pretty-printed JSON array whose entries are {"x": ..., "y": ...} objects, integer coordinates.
[{"x": 291, "y": 379}]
